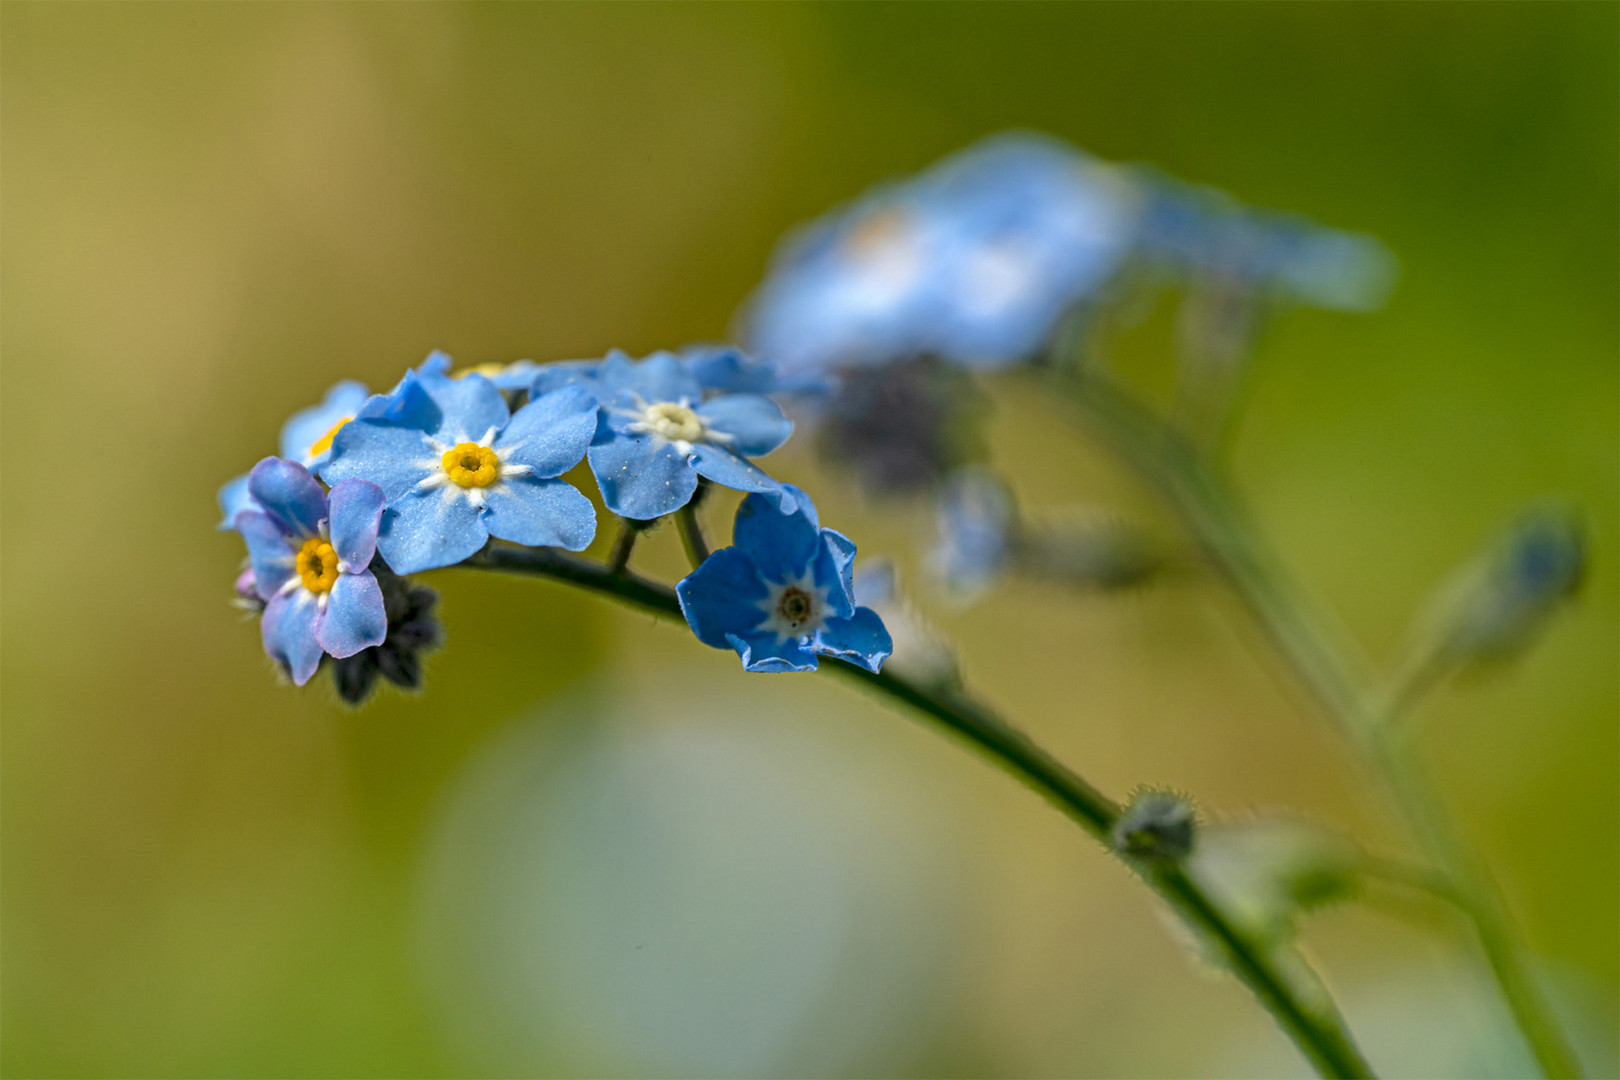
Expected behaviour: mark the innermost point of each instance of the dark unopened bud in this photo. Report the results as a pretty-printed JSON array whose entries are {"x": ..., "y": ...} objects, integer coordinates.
[
  {"x": 411, "y": 629},
  {"x": 904, "y": 426},
  {"x": 1156, "y": 826}
]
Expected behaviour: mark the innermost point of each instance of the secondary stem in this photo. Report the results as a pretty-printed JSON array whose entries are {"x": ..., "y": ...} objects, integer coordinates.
[
  {"x": 1318, "y": 1031},
  {"x": 1320, "y": 655}
]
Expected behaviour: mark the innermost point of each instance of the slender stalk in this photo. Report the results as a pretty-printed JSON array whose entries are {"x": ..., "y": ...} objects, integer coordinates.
[
  {"x": 623, "y": 545},
  {"x": 1323, "y": 659},
  {"x": 1316, "y": 1029},
  {"x": 691, "y": 530}
]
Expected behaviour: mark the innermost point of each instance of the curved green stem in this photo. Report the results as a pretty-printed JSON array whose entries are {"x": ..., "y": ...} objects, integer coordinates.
[
  {"x": 1321, "y": 657},
  {"x": 1316, "y": 1029}
]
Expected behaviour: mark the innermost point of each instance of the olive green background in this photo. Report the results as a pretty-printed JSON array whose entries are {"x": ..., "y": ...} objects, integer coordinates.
[{"x": 212, "y": 211}]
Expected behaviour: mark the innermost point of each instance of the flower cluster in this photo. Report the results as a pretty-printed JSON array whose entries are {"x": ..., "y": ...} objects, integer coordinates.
[{"x": 376, "y": 486}]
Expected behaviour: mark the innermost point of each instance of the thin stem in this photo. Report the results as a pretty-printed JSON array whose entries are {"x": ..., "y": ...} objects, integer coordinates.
[
  {"x": 1321, "y": 656},
  {"x": 1315, "y": 1028},
  {"x": 623, "y": 545},
  {"x": 691, "y": 530}
]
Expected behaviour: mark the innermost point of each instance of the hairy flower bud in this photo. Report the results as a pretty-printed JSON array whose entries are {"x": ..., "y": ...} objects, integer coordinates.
[{"x": 1159, "y": 826}]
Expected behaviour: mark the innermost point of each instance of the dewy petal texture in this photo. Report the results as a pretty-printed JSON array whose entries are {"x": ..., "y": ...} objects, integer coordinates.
[
  {"x": 540, "y": 513},
  {"x": 355, "y": 512},
  {"x": 354, "y": 617},
  {"x": 427, "y": 529},
  {"x": 753, "y": 425},
  {"x": 720, "y": 598},
  {"x": 860, "y": 639},
  {"x": 640, "y": 479},
  {"x": 551, "y": 433},
  {"x": 394, "y": 458}
]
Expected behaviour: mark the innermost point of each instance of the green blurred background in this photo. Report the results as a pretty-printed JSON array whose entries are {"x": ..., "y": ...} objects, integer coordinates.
[{"x": 593, "y": 846}]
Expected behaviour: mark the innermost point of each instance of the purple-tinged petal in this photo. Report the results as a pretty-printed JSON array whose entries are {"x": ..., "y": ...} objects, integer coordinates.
[
  {"x": 427, "y": 529},
  {"x": 288, "y": 493},
  {"x": 861, "y": 640},
  {"x": 767, "y": 652},
  {"x": 755, "y": 424},
  {"x": 540, "y": 513},
  {"x": 354, "y": 617},
  {"x": 356, "y": 508},
  {"x": 233, "y": 499},
  {"x": 472, "y": 406},
  {"x": 396, "y": 459},
  {"x": 721, "y": 598},
  {"x": 288, "y": 631},
  {"x": 272, "y": 551},
  {"x": 782, "y": 546},
  {"x": 550, "y": 433},
  {"x": 639, "y": 478}
]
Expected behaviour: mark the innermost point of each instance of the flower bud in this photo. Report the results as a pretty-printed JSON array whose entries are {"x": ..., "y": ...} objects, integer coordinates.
[
  {"x": 1158, "y": 826},
  {"x": 412, "y": 628}
]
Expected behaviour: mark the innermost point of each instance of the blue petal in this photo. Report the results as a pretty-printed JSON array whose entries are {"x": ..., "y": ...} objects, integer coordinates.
[
  {"x": 471, "y": 405},
  {"x": 861, "y": 640},
  {"x": 756, "y": 424},
  {"x": 356, "y": 511},
  {"x": 305, "y": 427},
  {"x": 270, "y": 549},
  {"x": 354, "y": 617},
  {"x": 396, "y": 459},
  {"x": 408, "y": 405},
  {"x": 781, "y": 545},
  {"x": 437, "y": 365},
  {"x": 540, "y": 513},
  {"x": 550, "y": 433},
  {"x": 728, "y": 470},
  {"x": 835, "y": 562},
  {"x": 721, "y": 598},
  {"x": 555, "y": 376},
  {"x": 660, "y": 377},
  {"x": 767, "y": 652},
  {"x": 639, "y": 479},
  {"x": 288, "y": 632},
  {"x": 289, "y": 493},
  {"x": 427, "y": 529},
  {"x": 233, "y": 499}
]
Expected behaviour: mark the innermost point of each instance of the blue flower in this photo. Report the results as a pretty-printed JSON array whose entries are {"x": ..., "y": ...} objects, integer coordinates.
[
  {"x": 658, "y": 433},
  {"x": 310, "y": 553},
  {"x": 306, "y": 438},
  {"x": 478, "y": 471},
  {"x": 976, "y": 261},
  {"x": 783, "y": 593}
]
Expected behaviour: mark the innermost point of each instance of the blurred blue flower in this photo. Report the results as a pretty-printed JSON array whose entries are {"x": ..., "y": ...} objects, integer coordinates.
[
  {"x": 783, "y": 593},
  {"x": 310, "y": 553},
  {"x": 975, "y": 519},
  {"x": 479, "y": 471},
  {"x": 658, "y": 433},
  {"x": 975, "y": 260}
]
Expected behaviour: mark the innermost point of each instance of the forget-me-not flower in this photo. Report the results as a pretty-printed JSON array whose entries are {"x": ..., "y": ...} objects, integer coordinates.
[
  {"x": 479, "y": 471},
  {"x": 783, "y": 593},
  {"x": 659, "y": 432},
  {"x": 976, "y": 522},
  {"x": 310, "y": 553},
  {"x": 976, "y": 260}
]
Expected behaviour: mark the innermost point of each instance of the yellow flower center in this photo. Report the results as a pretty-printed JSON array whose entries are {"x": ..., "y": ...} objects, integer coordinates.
[
  {"x": 471, "y": 465},
  {"x": 881, "y": 234},
  {"x": 677, "y": 423},
  {"x": 489, "y": 370},
  {"x": 317, "y": 565},
  {"x": 324, "y": 443},
  {"x": 795, "y": 606}
]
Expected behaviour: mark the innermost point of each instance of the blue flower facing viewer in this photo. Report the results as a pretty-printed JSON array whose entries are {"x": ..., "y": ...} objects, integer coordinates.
[
  {"x": 659, "y": 432},
  {"x": 311, "y": 554},
  {"x": 480, "y": 471},
  {"x": 783, "y": 593}
]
